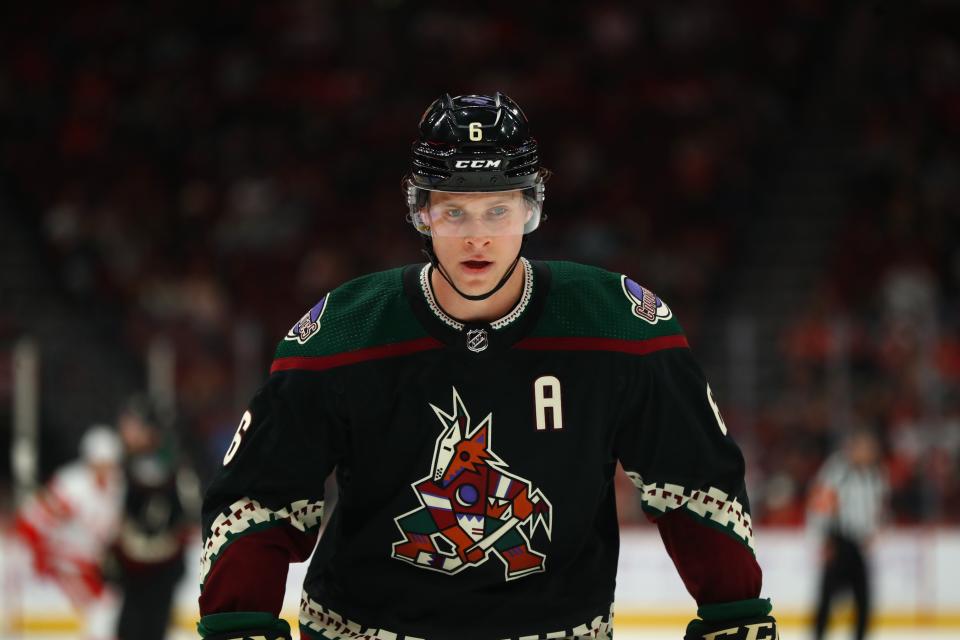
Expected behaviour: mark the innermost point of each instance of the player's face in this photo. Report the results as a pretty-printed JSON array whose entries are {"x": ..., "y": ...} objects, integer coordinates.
[
  {"x": 137, "y": 435},
  {"x": 477, "y": 236},
  {"x": 862, "y": 450}
]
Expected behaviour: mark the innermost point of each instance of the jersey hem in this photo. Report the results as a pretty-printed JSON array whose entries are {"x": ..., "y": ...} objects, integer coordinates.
[{"x": 319, "y": 621}]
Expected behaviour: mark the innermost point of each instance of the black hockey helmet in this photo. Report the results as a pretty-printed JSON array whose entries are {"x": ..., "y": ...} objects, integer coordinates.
[
  {"x": 474, "y": 143},
  {"x": 146, "y": 410}
]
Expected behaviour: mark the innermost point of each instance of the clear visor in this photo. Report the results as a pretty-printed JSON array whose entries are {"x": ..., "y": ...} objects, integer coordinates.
[{"x": 474, "y": 214}]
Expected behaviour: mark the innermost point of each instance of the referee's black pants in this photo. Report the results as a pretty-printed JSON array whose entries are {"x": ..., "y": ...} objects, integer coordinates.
[
  {"x": 148, "y": 602},
  {"x": 846, "y": 568}
]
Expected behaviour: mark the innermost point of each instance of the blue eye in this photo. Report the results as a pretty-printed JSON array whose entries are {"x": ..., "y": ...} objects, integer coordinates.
[
  {"x": 498, "y": 212},
  {"x": 454, "y": 213}
]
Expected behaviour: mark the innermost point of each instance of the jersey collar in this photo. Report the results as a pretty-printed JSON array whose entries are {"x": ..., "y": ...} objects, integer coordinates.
[{"x": 426, "y": 288}]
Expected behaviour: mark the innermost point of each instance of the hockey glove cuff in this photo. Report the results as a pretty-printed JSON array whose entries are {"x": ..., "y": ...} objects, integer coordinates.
[
  {"x": 740, "y": 620},
  {"x": 252, "y": 625}
]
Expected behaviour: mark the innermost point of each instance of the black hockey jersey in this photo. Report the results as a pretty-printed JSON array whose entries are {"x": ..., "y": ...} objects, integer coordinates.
[{"x": 475, "y": 463}]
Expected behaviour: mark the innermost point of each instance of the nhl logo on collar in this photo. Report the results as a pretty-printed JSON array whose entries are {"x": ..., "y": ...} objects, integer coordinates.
[
  {"x": 477, "y": 340},
  {"x": 645, "y": 304}
]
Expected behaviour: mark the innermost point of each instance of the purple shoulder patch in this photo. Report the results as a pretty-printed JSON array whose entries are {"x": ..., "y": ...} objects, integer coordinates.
[
  {"x": 645, "y": 304},
  {"x": 309, "y": 324}
]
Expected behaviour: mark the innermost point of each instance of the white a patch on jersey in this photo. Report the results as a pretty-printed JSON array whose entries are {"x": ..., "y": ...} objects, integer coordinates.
[{"x": 548, "y": 404}]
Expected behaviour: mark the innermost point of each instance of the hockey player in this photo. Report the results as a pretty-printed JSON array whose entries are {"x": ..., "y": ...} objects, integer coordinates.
[
  {"x": 69, "y": 523},
  {"x": 158, "y": 518},
  {"x": 474, "y": 408}
]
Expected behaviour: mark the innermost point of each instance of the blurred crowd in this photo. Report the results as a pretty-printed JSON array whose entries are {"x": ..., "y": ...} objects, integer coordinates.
[
  {"x": 876, "y": 344},
  {"x": 209, "y": 170}
]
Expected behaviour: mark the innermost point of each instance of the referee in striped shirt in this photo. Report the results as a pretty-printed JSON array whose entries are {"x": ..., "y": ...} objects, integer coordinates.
[{"x": 847, "y": 506}]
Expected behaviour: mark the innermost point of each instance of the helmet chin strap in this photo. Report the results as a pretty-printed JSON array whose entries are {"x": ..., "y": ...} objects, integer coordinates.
[{"x": 435, "y": 264}]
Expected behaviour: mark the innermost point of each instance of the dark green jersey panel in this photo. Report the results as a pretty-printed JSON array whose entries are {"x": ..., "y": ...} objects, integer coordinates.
[
  {"x": 591, "y": 302},
  {"x": 366, "y": 312}
]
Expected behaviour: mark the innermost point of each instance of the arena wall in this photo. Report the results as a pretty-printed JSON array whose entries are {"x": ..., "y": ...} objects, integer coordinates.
[{"x": 916, "y": 582}]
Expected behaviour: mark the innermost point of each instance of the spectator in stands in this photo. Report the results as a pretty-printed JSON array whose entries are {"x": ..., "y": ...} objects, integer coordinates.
[{"x": 183, "y": 158}]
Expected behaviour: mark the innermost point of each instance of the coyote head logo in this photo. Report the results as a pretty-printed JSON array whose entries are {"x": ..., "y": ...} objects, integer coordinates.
[
  {"x": 457, "y": 451},
  {"x": 471, "y": 507}
]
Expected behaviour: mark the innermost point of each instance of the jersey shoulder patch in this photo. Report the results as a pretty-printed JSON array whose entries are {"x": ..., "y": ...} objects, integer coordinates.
[
  {"x": 645, "y": 304},
  {"x": 309, "y": 324},
  {"x": 588, "y": 301},
  {"x": 366, "y": 312}
]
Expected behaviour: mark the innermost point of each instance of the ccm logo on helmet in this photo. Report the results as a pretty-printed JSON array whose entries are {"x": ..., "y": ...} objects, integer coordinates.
[{"x": 476, "y": 164}]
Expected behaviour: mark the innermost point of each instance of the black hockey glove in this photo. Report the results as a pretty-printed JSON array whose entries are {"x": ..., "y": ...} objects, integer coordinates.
[
  {"x": 243, "y": 626},
  {"x": 741, "y": 620}
]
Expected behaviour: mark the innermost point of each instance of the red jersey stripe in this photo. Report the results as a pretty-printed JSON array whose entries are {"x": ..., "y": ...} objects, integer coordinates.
[
  {"x": 321, "y": 363},
  {"x": 636, "y": 347}
]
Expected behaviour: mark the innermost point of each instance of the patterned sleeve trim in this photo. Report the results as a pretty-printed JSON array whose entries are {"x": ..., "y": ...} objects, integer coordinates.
[
  {"x": 246, "y": 516},
  {"x": 711, "y": 506}
]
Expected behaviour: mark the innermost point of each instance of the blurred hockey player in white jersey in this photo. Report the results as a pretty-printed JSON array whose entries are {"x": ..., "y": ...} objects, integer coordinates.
[{"x": 69, "y": 522}]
